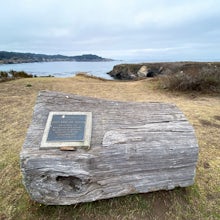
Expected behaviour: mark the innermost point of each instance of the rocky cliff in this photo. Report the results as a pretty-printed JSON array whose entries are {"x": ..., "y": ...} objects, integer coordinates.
[{"x": 143, "y": 70}]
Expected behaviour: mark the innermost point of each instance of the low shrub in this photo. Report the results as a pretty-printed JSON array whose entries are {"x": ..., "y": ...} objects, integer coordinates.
[
  {"x": 19, "y": 74},
  {"x": 5, "y": 76},
  {"x": 205, "y": 80}
]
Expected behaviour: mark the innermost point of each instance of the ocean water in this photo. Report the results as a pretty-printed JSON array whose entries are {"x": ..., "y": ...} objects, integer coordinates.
[{"x": 63, "y": 69}]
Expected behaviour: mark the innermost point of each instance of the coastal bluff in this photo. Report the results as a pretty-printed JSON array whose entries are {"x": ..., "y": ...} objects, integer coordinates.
[{"x": 143, "y": 70}]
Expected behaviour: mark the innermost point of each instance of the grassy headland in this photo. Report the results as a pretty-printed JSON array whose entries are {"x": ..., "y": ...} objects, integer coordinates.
[{"x": 200, "y": 201}]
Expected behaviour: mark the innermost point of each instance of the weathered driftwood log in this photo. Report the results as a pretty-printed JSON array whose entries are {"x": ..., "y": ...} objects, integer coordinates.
[{"x": 135, "y": 148}]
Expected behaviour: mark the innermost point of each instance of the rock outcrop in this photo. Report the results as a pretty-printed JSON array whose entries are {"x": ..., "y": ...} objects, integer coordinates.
[{"x": 143, "y": 70}]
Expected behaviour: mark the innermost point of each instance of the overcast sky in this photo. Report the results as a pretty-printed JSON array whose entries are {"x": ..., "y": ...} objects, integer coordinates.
[{"x": 121, "y": 29}]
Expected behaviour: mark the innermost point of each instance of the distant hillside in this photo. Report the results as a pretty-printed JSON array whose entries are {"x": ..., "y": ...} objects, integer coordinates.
[{"x": 14, "y": 57}]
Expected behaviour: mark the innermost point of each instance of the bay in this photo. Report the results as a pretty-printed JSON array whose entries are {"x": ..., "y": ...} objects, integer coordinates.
[{"x": 63, "y": 69}]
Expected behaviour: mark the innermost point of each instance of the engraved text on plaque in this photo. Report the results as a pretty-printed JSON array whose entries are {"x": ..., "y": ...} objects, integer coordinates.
[{"x": 67, "y": 129}]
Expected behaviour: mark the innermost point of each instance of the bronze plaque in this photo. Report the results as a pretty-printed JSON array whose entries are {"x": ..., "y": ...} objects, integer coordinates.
[{"x": 65, "y": 129}]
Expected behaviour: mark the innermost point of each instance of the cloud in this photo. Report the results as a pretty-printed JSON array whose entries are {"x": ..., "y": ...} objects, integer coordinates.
[{"x": 107, "y": 26}]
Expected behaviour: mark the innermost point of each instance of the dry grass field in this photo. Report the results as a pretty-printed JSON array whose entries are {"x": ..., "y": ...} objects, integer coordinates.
[{"x": 200, "y": 201}]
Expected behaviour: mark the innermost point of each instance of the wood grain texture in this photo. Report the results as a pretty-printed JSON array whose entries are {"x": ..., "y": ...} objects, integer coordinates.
[{"x": 135, "y": 148}]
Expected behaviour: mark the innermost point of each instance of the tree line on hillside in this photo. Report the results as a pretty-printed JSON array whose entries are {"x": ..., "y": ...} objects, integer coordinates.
[{"x": 15, "y": 57}]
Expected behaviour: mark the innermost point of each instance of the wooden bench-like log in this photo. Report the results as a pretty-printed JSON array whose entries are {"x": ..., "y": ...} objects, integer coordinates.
[{"x": 135, "y": 148}]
